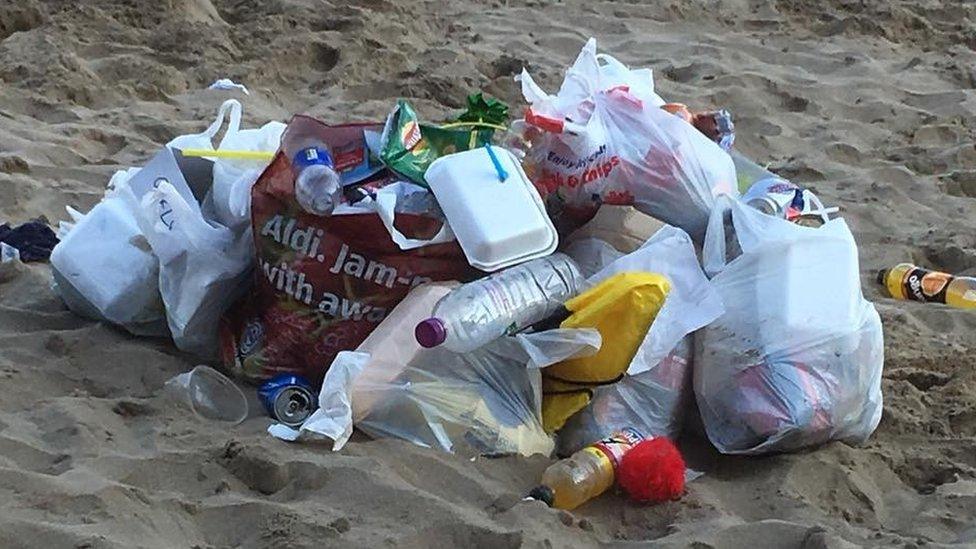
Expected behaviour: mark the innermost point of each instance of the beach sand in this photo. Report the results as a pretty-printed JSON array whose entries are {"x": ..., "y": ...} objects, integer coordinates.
[{"x": 870, "y": 103}]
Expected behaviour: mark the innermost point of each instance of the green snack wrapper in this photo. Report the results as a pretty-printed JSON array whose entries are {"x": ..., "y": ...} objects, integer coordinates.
[{"x": 409, "y": 147}]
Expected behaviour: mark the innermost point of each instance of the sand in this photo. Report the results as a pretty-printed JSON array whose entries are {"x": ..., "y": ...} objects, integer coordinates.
[{"x": 870, "y": 103}]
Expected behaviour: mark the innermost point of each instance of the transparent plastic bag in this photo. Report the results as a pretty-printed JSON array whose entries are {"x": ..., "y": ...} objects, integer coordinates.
[
  {"x": 653, "y": 402},
  {"x": 691, "y": 304},
  {"x": 653, "y": 396},
  {"x": 604, "y": 139},
  {"x": 484, "y": 402},
  {"x": 796, "y": 359}
]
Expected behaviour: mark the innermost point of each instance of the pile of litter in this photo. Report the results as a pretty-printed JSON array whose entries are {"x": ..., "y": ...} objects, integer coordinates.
[{"x": 576, "y": 281}]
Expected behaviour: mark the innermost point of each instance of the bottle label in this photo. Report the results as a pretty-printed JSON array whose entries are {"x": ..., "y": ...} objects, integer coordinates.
[
  {"x": 616, "y": 445},
  {"x": 925, "y": 285},
  {"x": 311, "y": 156}
]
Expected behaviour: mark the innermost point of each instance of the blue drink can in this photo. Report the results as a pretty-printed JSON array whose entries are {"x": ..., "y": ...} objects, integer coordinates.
[{"x": 288, "y": 399}]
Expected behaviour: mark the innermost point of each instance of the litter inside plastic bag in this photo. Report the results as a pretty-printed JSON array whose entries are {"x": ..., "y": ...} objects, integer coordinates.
[
  {"x": 604, "y": 140},
  {"x": 485, "y": 402},
  {"x": 653, "y": 396},
  {"x": 622, "y": 308},
  {"x": 796, "y": 359},
  {"x": 691, "y": 303},
  {"x": 653, "y": 402}
]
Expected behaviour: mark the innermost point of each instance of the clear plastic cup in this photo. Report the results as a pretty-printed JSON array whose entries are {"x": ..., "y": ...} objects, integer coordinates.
[{"x": 209, "y": 394}]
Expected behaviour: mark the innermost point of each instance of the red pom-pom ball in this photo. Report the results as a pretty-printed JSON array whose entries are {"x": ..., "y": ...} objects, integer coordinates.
[{"x": 652, "y": 471}]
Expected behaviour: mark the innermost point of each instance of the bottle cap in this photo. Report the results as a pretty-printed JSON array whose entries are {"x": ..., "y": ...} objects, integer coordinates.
[
  {"x": 542, "y": 493},
  {"x": 882, "y": 275},
  {"x": 430, "y": 332},
  {"x": 311, "y": 156}
]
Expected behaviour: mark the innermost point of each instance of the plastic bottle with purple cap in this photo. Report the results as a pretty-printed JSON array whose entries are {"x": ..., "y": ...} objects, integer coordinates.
[{"x": 505, "y": 302}]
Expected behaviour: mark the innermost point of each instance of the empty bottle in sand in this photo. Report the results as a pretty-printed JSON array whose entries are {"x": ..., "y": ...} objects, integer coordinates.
[
  {"x": 573, "y": 481},
  {"x": 908, "y": 281},
  {"x": 505, "y": 302}
]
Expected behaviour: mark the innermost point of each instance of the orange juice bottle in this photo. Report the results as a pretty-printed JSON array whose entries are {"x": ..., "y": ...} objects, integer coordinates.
[
  {"x": 908, "y": 281},
  {"x": 573, "y": 481}
]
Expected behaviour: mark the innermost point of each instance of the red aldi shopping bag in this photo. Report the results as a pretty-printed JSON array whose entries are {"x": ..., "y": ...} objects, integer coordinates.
[{"x": 323, "y": 283}]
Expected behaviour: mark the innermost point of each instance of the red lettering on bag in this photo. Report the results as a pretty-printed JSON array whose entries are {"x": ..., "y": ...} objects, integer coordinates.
[{"x": 618, "y": 198}]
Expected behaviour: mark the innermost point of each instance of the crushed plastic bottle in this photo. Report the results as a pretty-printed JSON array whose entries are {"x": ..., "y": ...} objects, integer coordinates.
[{"x": 503, "y": 303}]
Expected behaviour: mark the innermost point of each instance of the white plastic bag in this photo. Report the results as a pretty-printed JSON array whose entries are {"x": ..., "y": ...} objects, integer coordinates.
[
  {"x": 604, "y": 139},
  {"x": 149, "y": 258},
  {"x": 796, "y": 359},
  {"x": 691, "y": 304},
  {"x": 230, "y": 197},
  {"x": 202, "y": 267},
  {"x": 233, "y": 178},
  {"x": 401, "y": 197},
  {"x": 205, "y": 254},
  {"x": 104, "y": 268}
]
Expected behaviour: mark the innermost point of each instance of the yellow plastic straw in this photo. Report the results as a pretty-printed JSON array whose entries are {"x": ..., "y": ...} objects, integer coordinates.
[
  {"x": 475, "y": 124},
  {"x": 239, "y": 155}
]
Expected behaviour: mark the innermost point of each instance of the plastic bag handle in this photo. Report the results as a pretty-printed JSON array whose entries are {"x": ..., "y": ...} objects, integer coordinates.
[
  {"x": 623, "y": 93},
  {"x": 385, "y": 206},
  {"x": 232, "y": 107},
  {"x": 587, "y": 84},
  {"x": 236, "y": 113},
  {"x": 204, "y": 139},
  {"x": 611, "y": 61},
  {"x": 714, "y": 252}
]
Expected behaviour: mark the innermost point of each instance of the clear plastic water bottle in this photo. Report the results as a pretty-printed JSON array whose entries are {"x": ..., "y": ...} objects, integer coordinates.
[
  {"x": 478, "y": 312},
  {"x": 318, "y": 188}
]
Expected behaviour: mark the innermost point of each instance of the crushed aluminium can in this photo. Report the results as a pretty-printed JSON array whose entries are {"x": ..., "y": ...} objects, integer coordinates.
[
  {"x": 772, "y": 196},
  {"x": 717, "y": 125},
  {"x": 288, "y": 399}
]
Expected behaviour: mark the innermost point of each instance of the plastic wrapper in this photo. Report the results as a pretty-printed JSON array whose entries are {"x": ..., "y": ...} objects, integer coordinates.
[
  {"x": 409, "y": 147},
  {"x": 604, "y": 140},
  {"x": 796, "y": 359}
]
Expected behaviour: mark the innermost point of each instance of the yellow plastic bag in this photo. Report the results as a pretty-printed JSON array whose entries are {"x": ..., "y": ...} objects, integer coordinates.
[{"x": 622, "y": 309}]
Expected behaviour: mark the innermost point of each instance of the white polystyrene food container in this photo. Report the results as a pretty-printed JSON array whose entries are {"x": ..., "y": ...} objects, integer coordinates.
[{"x": 497, "y": 223}]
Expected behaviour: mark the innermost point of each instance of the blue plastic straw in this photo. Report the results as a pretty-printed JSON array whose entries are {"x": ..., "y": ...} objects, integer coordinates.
[{"x": 502, "y": 174}]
